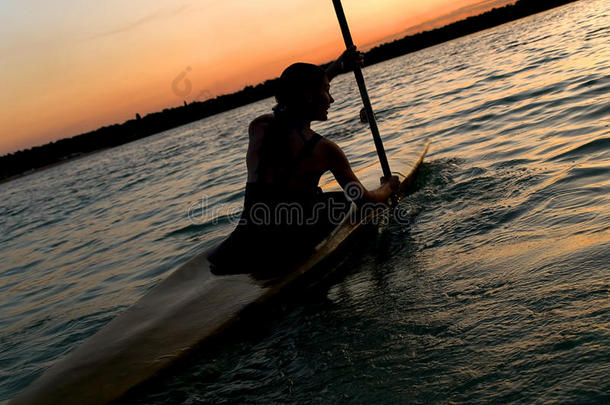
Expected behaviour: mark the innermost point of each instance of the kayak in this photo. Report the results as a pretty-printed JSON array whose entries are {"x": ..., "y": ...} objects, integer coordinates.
[{"x": 191, "y": 308}]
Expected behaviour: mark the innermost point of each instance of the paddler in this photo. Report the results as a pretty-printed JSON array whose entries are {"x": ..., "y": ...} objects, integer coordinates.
[{"x": 285, "y": 213}]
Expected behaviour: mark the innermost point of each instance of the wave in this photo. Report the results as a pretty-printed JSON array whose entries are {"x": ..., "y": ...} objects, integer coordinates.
[
  {"x": 589, "y": 148},
  {"x": 197, "y": 228}
]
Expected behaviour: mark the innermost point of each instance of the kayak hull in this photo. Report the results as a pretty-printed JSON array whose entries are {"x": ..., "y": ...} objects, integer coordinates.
[{"x": 189, "y": 309}]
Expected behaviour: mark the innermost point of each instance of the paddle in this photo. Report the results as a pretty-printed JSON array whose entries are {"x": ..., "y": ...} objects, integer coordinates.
[{"x": 347, "y": 38}]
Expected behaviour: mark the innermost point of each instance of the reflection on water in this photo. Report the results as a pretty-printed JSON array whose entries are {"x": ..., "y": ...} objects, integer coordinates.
[{"x": 497, "y": 291}]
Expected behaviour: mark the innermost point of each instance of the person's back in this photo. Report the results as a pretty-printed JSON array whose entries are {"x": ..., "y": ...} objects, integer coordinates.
[
  {"x": 281, "y": 217},
  {"x": 285, "y": 213},
  {"x": 302, "y": 162}
]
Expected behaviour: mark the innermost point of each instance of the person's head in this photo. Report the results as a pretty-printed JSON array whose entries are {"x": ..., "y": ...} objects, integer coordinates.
[{"x": 303, "y": 89}]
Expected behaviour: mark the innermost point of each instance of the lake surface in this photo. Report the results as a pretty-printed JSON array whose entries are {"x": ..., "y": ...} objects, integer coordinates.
[{"x": 497, "y": 291}]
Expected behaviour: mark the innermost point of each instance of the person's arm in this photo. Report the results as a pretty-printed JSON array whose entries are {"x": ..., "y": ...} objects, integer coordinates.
[
  {"x": 346, "y": 62},
  {"x": 341, "y": 169}
]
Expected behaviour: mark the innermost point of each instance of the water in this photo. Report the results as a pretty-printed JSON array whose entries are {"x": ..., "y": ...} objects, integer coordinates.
[{"x": 499, "y": 291}]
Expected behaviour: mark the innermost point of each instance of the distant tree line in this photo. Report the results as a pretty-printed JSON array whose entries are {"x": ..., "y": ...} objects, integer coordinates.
[
  {"x": 118, "y": 134},
  {"x": 492, "y": 18}
]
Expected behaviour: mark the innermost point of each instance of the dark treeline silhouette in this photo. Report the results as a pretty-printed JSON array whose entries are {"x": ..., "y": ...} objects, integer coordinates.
[
  {"x": 118, "y": 134},
  {"x": 497, "y": 16},
  {"x": 40, "y": 156}
]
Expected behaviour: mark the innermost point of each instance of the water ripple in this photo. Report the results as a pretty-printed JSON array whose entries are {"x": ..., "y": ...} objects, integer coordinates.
[{"x": 494, "y": 288}]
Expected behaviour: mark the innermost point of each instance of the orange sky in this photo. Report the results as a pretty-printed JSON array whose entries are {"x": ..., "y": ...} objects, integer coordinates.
[{"x": 70, "y": 66}]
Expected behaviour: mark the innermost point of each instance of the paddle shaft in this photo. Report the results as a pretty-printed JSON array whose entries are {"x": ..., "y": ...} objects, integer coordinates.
[{"x": 347, "y": 37}]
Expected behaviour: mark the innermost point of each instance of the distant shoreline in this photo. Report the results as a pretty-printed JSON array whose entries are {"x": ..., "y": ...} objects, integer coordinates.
[
  {"x": 25, "y": 162},
  {"x": 52, "y": 165}
]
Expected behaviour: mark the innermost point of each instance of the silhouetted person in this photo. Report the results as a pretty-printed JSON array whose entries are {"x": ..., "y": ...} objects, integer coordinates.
[{"x": 285, "y": 161}]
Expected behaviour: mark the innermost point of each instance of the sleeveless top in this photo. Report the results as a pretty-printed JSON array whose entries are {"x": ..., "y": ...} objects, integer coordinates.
[
  {"x": 281, "y": 191},
  {"x": 269, "y": 226}
]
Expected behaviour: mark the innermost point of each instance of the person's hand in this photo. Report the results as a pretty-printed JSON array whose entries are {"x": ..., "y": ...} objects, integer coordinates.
[
  {"x": 393, "y": 182},
  {"x": 351, "y": 58}
]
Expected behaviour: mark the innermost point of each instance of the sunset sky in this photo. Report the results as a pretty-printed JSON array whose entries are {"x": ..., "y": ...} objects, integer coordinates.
[{"x": 70, "y": 66}]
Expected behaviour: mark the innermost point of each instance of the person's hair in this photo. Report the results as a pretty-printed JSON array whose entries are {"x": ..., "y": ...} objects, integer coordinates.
[{"x": 295, "y": 81}]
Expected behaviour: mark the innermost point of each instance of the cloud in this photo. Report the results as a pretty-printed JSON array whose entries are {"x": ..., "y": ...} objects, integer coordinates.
[{"x": 157, "y": 15}]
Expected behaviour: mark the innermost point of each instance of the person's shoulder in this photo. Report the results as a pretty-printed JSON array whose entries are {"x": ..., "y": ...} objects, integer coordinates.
[
  {"x": 260, "y": 121},
  {"x": 257, "y": 127},
  {"x": 328, "y": 146},
  {"x": 329, "y": 152}
]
